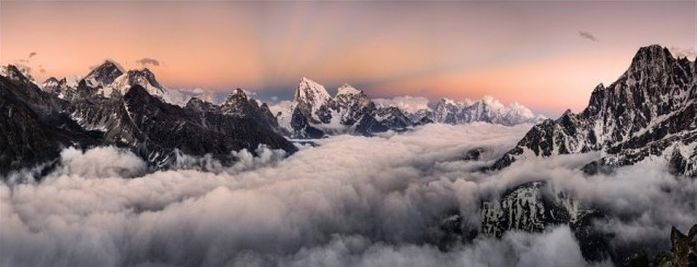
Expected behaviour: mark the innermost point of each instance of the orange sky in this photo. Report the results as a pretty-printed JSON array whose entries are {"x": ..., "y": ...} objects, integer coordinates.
[{"x": 529, "y": 52}]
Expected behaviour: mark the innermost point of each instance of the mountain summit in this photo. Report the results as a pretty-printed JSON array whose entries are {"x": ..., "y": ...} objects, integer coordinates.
[
  {"x": 648, "y": 112},
  {"x": 314, "y": 113},
  {"x": 104, "y": 74}
]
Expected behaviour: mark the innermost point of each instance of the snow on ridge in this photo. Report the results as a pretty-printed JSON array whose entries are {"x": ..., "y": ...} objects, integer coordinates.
[
  {"x": 409, "y": 104},
  {"x": 347, "y": 89}
]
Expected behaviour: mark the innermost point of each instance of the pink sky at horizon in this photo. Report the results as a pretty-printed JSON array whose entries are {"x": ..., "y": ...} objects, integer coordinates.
[{"x": 532, "y": 53}]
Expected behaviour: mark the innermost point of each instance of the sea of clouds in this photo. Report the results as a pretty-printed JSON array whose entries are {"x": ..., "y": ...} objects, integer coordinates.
[{"x": 350, "y": 201}]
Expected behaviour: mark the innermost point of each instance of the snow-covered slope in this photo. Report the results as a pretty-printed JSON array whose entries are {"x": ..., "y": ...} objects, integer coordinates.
[
  {"x": 146, "y": 79},
  {"x": 408, "y": 104},
  {"x": 310, "y": 97},
  {"x": 110, "y": 78}
]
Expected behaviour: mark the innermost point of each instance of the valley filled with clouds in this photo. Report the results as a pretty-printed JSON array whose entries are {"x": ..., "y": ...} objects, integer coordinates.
[{"x": 338, "y": 203}]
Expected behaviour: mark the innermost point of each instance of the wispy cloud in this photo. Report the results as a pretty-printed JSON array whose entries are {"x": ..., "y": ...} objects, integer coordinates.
[
  {"x": 587, "y": 35},
  {"x": 683, "y": 52},
  {"x": 148, "y": 61}
]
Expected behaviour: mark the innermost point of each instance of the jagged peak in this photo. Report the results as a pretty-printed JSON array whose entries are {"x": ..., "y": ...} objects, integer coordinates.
[
  {"x": 51, "y": 83},
  {"x": 236, "y": 96},
  {"x": 105, "y": 73},
  {"x": 194, "y": 99},
  {"x": 108, "y": 64},
  {"x": 347, "y": 89},
  {"x": 653, "y": 49},
  {"x": 198, "y": 103},
  {"x": 15, "y": 73},
  {"x": 51, "y": 80},
  {"x": 311, "y": 91},
  {"x": 145, "y": 73},
  {"x": 652, "y": 54},
  {"x": 239, "y": 91},
  {"x": 599, "y": 87}
]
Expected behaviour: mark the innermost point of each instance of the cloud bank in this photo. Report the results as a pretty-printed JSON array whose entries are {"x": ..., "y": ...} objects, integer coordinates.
[{"x": 338, "y": 204}]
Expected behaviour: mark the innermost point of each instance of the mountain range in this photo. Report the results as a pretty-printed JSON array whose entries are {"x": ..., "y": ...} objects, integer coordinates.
[
  {"x": 129, "y": 110},
  {"x": 132, "y": 109},
  {"x": 314, "y": 113},
  {"x": 648, "y": 113}
]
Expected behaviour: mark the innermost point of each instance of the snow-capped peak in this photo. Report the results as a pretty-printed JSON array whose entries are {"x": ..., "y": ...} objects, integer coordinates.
[
  {"x": 239, "y": 92},
  {"x": 347, "y": 89},
  {"x": 146, "y": 79},
  {"x": 51, "y": 82},
  {"x": 238, "y": 95},
  {"x": 16, "y": 72},
  {"x": 104, "y": 74},
  {"x": 311, "y": 93}
]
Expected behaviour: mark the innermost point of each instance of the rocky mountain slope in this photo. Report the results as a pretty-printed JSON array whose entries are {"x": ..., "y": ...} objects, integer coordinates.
[
  {"x": 648, "y": 112},
  {"x": 40, "y": 123}
]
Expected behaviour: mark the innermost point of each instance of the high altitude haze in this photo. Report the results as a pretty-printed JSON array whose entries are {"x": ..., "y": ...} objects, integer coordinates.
[{"x": 548, "y": 56}]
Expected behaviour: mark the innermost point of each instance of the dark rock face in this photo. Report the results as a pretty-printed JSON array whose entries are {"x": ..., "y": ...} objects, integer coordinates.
[
  {"x": 682, "y": 254},
  {"x": 302, "y": 128},
  {"x": 144, "y": 76},
  {"x": 57, "y": 87},
  {"x": 40, "y": 124},
  {"x": 533, "y": 207},
  {"x": 473, "y": 154},
  {"x": 524, "y": 207},
  {"x": 238, "y": 104},
  {"x": 33, "y": 131},
  {"x": 649, "y": 111},
  {"x": 684, "y": 251},
  {"x": 197, "y": 105},
  {"x": 104, "y": 74}
]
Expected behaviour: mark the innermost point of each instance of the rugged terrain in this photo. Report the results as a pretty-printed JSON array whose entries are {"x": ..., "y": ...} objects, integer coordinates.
[{"x": 131, "y": 110}]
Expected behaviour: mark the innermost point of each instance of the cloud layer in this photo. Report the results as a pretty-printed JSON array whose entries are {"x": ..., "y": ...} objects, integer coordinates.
[{"x": 340, "y": 203}]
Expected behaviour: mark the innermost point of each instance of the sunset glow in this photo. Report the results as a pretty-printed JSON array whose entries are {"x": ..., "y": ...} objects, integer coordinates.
[{"x": 507, "y": 50}]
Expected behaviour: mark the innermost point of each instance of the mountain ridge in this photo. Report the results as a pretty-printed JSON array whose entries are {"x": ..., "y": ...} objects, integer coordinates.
[{"x": 649, "y": 111}]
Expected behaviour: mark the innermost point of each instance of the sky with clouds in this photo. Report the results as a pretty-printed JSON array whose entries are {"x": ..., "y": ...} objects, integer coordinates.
[{"x": 545, "y": 55}]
